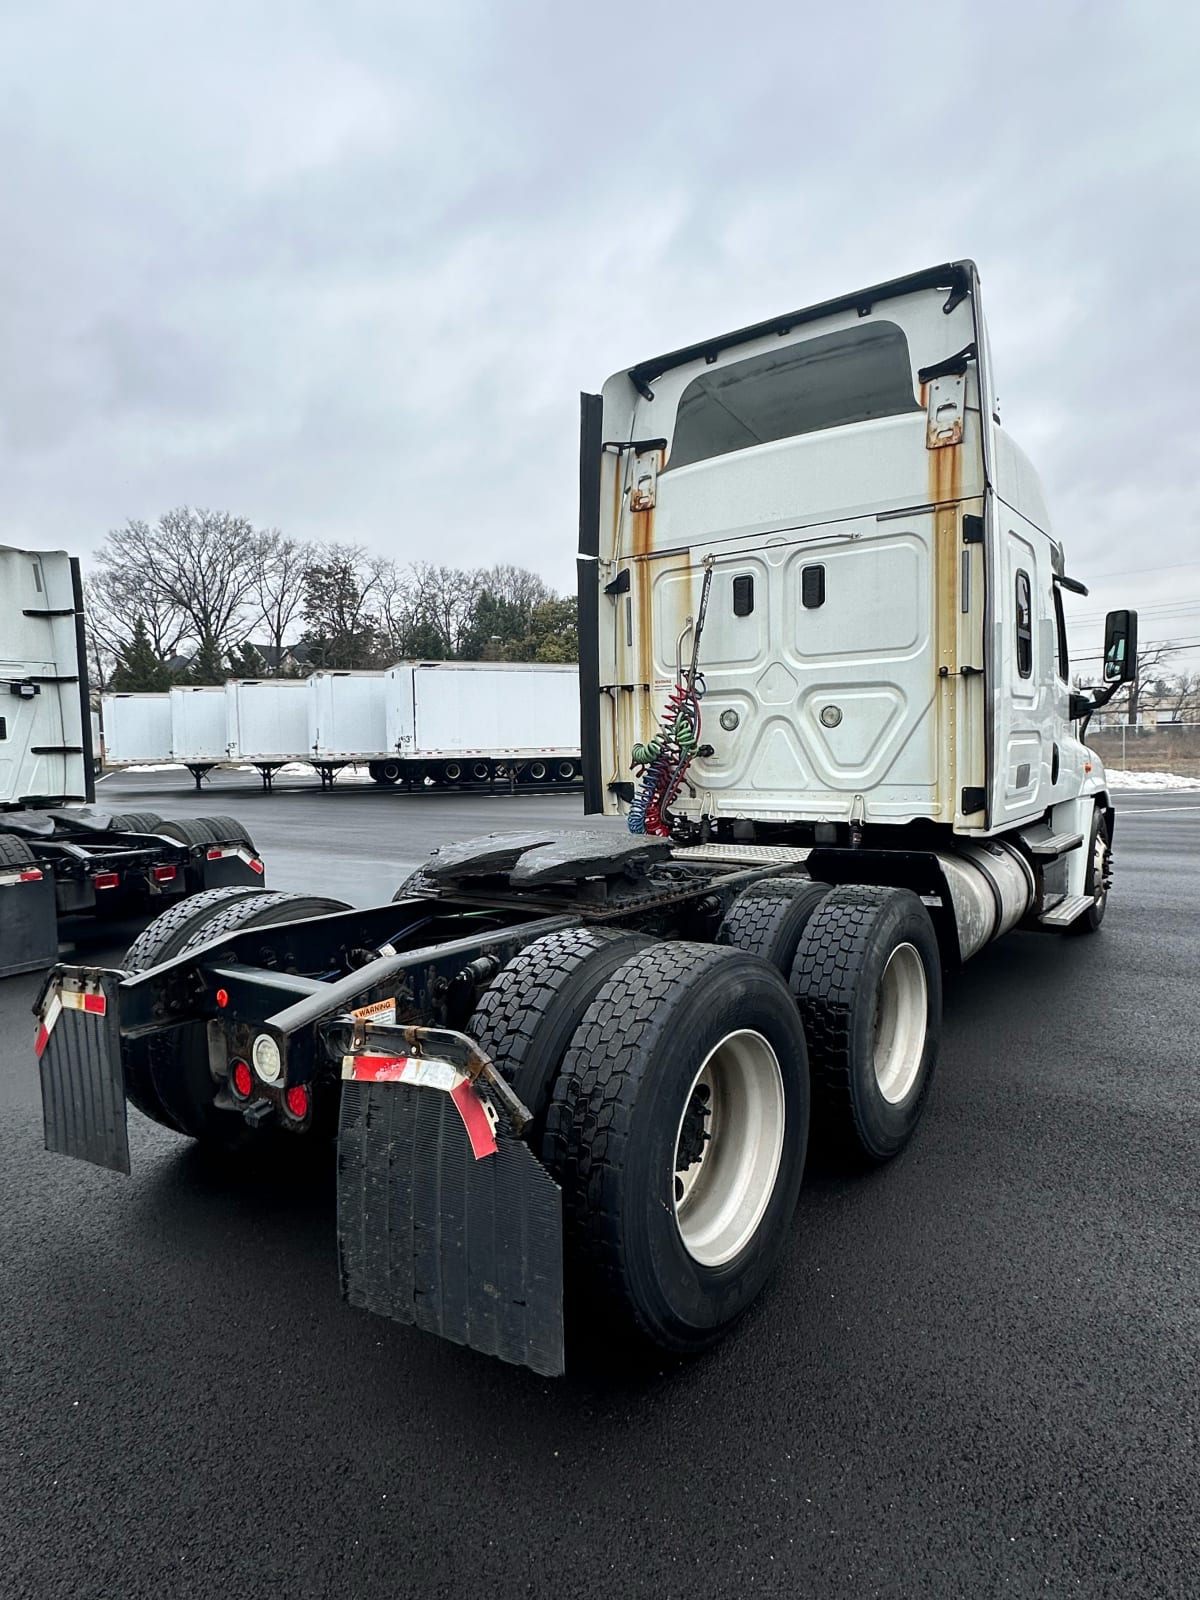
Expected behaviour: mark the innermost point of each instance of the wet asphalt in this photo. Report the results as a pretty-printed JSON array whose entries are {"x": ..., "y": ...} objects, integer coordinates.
[{"x": 976, "y": 1374}]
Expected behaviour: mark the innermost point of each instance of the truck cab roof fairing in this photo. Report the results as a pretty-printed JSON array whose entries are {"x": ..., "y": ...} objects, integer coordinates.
[{"x": 958, "y": 278}]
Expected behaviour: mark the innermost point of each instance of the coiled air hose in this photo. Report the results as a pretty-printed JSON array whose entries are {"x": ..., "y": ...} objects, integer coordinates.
[{"x": 661, "y": 765}]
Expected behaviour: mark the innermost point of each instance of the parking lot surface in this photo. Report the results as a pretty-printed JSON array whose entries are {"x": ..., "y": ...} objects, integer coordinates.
[{"x": 976, "y": 1374}]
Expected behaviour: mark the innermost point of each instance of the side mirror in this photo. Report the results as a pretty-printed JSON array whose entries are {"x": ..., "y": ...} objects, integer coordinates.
[{"x": 1120, "y": 647}]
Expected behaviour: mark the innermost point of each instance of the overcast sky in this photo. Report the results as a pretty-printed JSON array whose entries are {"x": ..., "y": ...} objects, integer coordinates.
[{"x": 343, "y": 268}]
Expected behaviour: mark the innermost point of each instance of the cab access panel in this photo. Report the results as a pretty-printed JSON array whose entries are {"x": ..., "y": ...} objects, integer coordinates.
[{"x": 830, "y": 467}]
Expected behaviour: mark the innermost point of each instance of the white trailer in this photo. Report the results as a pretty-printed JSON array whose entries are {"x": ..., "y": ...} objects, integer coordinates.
[
  {"x": 347, "y": 720},
  {"x": 467, "y": 721},
  {"x": 199, "y": 736},
  {"x": 267, "y": 722},
  {"x": 60, "y": 856},
  {"x": 137, "y": 728}
]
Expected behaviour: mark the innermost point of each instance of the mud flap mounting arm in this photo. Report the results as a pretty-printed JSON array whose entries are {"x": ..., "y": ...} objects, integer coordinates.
[{"x": 358, "y": 1036}]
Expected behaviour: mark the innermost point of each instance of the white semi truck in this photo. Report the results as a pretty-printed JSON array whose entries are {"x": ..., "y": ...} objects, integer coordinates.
[
  {"x": 61, "y": 856},
  {"x": 826, "y": 713}
]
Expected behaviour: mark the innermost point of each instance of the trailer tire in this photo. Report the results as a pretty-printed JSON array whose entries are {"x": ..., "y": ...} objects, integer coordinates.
[
  {"x": 415, "y": 886},
  {"x": 385, "y": 772},
  {"x": 15, "y": 852},
  {"x": 868, "y": 980},
  {"x": 1099, "y": 876},
  {"x": 674, "y": 1255},
  {"x": 169, "y": 1080},
  {"x": 528, "y": 1015},
  {"x": 769, "y": 918},
  {"x": 135, "y": 822}
]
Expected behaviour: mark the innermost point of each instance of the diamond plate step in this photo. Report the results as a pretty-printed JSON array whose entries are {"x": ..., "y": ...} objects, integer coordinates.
[
  {"x": 1066, "y": 911},
  {"x": 1042, "y": 842},
  {"x": 751, "y": 855}
]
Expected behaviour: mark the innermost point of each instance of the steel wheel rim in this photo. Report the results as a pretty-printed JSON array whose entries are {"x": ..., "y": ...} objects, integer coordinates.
[
  {"x": 720, "y": 1198},
  {"x": 901, "y": 1021},
  {"x": 1099, "y": 865}
]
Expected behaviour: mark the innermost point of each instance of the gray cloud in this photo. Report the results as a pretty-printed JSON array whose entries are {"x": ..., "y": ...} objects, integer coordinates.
[{"x": 344, "y": 269}]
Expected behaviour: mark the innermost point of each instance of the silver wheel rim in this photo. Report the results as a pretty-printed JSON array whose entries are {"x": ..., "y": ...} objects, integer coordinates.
[
  {"x": 1099, "y": 864},
  {"x": 901, "y": 1019},
  {"x": 732, "y": 1124}
]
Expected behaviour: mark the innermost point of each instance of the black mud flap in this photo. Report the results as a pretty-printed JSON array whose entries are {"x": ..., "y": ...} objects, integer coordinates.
[
  {"x": 428, "y": 1235},
  {"x": 83, "y": 1086}
]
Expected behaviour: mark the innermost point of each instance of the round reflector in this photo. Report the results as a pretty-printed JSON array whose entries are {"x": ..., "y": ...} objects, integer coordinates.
[
  {"x": 242, "y": 1080},
  {"x": 296, "y": 1100}
]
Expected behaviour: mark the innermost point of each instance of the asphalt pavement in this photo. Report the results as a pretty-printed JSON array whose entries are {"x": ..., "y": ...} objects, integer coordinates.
[{"x": 976, "y": 1374}]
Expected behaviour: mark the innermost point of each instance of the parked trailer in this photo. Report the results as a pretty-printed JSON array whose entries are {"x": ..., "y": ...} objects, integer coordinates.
[
  {"x": 60, "y": 855},
  {"x": 592, "y": 1057},
  {"x": 347, "y": 720},
  {"x": 137, "y": 729},
  {"x": 199, "y": 732},
  {"x": 453, "y": 722},
  {"x": 267, "y": 722}
]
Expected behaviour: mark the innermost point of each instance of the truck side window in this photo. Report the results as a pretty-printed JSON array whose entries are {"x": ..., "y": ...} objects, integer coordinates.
[
  {"x": 1064, "y": 659},
  {"x": 1024, "y": 626}
]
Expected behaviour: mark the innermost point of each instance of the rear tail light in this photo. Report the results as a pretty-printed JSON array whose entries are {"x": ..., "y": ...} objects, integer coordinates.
[
  {"x": 164, "y": 874},
  {"x": 296, "y": 1101},
  {"x": 215, "y": 855},
  {"x": 34, "y": 875},
  {"x": 241, "y": 1080},
  {"x": 106, "y": 880}
]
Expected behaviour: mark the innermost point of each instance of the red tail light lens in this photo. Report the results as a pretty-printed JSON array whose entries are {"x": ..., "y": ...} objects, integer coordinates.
[
  {"x": 107, "y": 880},
  {"x": 296, "y": 1100},
  {"x": 214, "y": 855},
  {"x": 242, "y": 1080},
  {"x": 164, "y": 874}
]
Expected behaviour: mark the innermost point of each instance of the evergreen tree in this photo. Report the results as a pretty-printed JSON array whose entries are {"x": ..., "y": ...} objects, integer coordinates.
[{"x": 138, "y": 669}]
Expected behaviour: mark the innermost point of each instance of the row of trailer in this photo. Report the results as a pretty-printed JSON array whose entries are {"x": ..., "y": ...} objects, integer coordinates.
[{"x": 439, "y": 722}]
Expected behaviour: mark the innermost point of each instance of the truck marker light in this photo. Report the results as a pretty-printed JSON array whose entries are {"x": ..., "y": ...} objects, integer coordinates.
[
  {"x": 29, "y": 875},
  {"x": 106, "y": 880},
  {"x": 164, "y": 874},
  {"x": 214, "y": 855},
  {"x": 426, "y": 1074},
  {"x": 241, "y": 1080},
  {"x": 296, "y": 1101},
  {"x": 222, "y": 998},
  {"x": 268, "y": 1062}
]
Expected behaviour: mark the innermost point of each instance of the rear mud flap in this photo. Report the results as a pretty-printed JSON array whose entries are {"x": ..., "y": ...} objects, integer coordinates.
[
  {"x": 83, "y": 1086},
  {"x": 432, "y": 1237}
]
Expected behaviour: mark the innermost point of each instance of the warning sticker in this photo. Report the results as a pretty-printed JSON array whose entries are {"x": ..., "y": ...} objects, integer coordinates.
[{"x": 377, "y": 1011}]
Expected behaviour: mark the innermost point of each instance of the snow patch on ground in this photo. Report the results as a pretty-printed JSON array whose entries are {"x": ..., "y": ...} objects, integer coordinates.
[
  {"x": 1149, "y": 780},
  {"x": 150, "y": 766}
]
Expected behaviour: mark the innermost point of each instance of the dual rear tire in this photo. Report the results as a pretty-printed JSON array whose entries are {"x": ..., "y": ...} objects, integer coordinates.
[{"x": 670, "y": 1086}]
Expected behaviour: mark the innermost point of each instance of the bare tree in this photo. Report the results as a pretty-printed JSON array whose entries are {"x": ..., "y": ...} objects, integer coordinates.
[
  {"x": 116, "y": 596},
  {"x": 196, "y": 566},
  {"x": 445, "y": 603},
  {"x": 277, "y": 585}
]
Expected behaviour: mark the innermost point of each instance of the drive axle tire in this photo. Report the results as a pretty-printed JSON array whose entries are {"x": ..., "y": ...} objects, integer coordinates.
[
  {"x": 186, "y": 830},
  {"x": 168, "y": 1077},
  {"x": 527, "y": 1016},
  {"x": 768, "y": 919},
  {"x": 15, "y": 852},
  {"x": 868, "y": 980},
  {"x": 226, "y": 830},
  {"x": 1099, "y": 876},
  {"x": 136, "y": 822},
  {"x": 677, "y": 1130}
]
